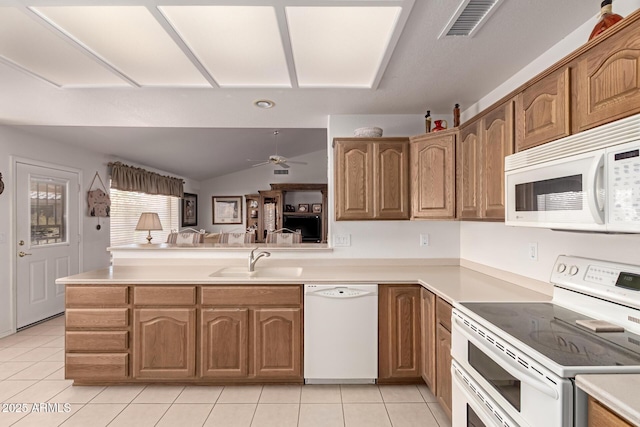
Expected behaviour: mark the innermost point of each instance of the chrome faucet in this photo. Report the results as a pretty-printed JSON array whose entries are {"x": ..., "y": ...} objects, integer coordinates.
[{"x": 253, "y": 260}]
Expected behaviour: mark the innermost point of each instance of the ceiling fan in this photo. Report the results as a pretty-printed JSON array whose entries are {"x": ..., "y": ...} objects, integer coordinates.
[{"x": 275, "y": 159}]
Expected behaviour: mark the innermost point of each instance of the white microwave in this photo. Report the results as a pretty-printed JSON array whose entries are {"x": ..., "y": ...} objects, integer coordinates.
[{"x": 589, "y": 181}]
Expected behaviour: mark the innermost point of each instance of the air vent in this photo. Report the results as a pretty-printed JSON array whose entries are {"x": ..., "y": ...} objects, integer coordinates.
[
  {"x": 280, "y": 172},
  {"x": 469, "y": 17}
]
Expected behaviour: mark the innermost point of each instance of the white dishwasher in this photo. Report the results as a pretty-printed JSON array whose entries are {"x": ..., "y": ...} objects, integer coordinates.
[{"x": 340, "y": 333}]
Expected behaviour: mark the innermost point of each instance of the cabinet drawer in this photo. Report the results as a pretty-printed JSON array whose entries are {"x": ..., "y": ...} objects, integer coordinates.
[
  {"x": 443, "y": 313},
  {"x": 254, "y": 295},
  {"x": 97, "y": 318},
  {"x": 164, "y": 295},
  {"x": 96, "y": 341},
  {"x": 109, "y": 366},
  {"x": 96, "y": 296}
]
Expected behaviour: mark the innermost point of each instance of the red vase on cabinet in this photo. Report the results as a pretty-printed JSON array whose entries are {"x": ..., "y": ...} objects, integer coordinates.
[{"x": 438, "y": 125}]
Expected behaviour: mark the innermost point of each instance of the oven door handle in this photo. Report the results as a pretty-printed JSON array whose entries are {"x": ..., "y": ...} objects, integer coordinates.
[
  {"x": 481, "y": 411},
  {"x": 512, "y": 368}
]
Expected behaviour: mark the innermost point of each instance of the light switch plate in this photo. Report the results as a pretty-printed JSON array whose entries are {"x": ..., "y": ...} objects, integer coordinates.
[
  {"x": 424, "y": 240},
  {"x": 533, "y": 251},
  {"x": 341, "y": 240}
]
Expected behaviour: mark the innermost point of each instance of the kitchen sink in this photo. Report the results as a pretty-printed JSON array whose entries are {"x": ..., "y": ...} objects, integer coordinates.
[{"x": 259, "y": 272}]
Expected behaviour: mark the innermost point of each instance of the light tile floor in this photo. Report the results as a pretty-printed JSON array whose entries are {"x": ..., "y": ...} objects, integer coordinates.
[{"x": 32, "y": 381}]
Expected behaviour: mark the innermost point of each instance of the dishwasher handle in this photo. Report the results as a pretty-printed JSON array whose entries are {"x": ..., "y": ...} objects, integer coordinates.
[{"x": 340, "y": 292}]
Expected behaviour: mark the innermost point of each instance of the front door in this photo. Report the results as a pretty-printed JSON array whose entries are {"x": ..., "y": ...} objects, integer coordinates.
[{"x": 47, "y": 239}]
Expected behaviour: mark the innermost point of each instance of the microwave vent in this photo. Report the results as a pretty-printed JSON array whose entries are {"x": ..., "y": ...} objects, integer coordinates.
[{"x": 615, "y": 133}]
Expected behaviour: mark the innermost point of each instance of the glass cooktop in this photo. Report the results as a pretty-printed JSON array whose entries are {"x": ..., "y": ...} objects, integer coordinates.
[{"x": 552, "y": 331}]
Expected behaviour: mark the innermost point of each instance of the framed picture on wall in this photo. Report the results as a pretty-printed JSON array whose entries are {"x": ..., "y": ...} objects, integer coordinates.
[
  {"x": 189, "y": 210},
  {"x": 227, "y": 209}
]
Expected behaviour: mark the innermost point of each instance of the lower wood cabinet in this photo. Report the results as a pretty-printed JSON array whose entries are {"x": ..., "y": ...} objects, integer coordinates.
[
  {"x": 428, "y": 339},
  {"x": 601, "y": 416},
  {"x": 164, "y": 343},
  {"x": 443, "y": 354},
  {"x": 399, "y": 333},
  {"x": 195, "y": 334},
  {"x": 224, "y": 342},
  {"x": 277, "y": 346},
  {"x": 443, "y": 368}
]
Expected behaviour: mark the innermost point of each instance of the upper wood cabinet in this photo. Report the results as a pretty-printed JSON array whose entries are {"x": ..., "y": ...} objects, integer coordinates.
[
  {"x": 433, "y": 175},
  {"x": 542, "y": 111},
  {"x": 399, "y": 333},
  {"x": 608, "y": 86},
  {"x": 468, "y": 190},
  {"x": 497, "y": 142},
  {"x": 371, "y": 178}
]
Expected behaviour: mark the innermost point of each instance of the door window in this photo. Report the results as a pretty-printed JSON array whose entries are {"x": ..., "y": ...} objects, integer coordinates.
[{"x": 48, "y": 204}]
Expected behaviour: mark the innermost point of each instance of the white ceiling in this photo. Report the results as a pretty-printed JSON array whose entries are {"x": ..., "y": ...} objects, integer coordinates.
[{"x": 135, "y": 73}]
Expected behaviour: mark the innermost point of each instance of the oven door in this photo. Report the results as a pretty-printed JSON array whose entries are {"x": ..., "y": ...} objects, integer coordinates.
[
  {"x": 565, "y": 194},
  {"x": 528, "y": 393},
  {"x": 472, "y": 407}
]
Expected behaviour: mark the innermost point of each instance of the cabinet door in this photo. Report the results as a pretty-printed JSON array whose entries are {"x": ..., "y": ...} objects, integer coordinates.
[
  {"x": 601, "y": 416},
  {"x": 443, "y": 374},
  {"x": 277, "y": 343},
  {"x": 468, "y": 180},
  {"x": 428, "y": 338},
  {"x": 542, "y": 111},
  {"x": 224, "y": 343},
  {"x": 497, "y": 142},
  {"x": 354, "y": 180},
  {"x": 609, "y": 79},
  {"x": 433, "y": 176},
  {"x": 164, "y": 343},
  {"x": 399, "y": 332},
  {"x": 391, "y": 172}
]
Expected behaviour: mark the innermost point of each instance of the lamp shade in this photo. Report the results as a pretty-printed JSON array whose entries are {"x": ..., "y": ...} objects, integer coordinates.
[{"x": 149, "y": 221}]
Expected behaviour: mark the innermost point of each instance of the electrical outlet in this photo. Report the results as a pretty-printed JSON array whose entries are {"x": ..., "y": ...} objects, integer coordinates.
[
  {"x": 424, "y": 240},
  {"x": 341, "y": 240},
  {"x": 533, "y": 251}
]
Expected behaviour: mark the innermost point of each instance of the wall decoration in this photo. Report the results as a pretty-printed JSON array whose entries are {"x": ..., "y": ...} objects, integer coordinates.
[
  {"x": 227, "y": 209},
  {"x": 99, "y": 201},
  {"x": 303, "y": 207},
  {"x": 316, "y": 207},
  {"x": 189, "y": 210}
]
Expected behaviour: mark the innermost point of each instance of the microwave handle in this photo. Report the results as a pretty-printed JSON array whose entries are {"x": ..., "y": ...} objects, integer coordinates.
[
  {"x": 595, "y": 181},
  {"x": 512, "y": 367}
]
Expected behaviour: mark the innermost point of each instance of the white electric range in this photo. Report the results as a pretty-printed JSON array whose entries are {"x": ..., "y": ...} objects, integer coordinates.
[{"x": 515, "y": 363}]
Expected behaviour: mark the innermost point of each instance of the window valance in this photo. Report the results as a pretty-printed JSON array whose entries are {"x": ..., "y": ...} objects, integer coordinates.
[{"x": 129, "y": 178}]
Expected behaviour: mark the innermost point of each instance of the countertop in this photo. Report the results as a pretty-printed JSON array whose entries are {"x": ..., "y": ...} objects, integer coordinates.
[
  {"x": 452, "y": 283},
  {"x": 619, "y": 392}
]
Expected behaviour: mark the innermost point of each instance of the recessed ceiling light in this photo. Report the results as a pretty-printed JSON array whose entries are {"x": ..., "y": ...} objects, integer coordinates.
[{"x": 264, "y": 103}]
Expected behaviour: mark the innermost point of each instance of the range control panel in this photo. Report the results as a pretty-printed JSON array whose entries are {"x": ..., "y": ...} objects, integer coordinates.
[{"x": 602, "y": 279}]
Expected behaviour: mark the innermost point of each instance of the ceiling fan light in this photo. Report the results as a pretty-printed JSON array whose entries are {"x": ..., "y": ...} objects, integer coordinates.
[{"x": 264, "y": 103}]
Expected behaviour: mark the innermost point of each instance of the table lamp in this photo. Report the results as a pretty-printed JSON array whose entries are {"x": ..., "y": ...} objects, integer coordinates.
[{"x": 149, "y": 221}]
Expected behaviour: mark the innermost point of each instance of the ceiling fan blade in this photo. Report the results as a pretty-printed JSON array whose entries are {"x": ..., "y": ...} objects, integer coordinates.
[
  {"x": 260, "y": 164},
  {"x": 284, "y": 165},
  {"x": 297, "y": 163}
]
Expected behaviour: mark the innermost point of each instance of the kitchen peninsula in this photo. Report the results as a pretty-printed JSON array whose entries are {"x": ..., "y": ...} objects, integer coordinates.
[{"x": 201, "y": 320}]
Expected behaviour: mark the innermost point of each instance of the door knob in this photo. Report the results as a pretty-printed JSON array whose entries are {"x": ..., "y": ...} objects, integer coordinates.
[{"x": 23, "y": 254}]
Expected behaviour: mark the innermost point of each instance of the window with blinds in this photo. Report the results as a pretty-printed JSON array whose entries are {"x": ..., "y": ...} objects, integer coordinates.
[{"x": 126, "y": 207}]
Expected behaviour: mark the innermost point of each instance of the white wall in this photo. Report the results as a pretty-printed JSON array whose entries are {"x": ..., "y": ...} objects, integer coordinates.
[
  {"x": 505, "y": 247},
  {"x": 95, "y": 242},
  {"x": 94, "y": 254},
  {"x": 389, "y": 239},
  {"x": 250, "y": 181}
]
